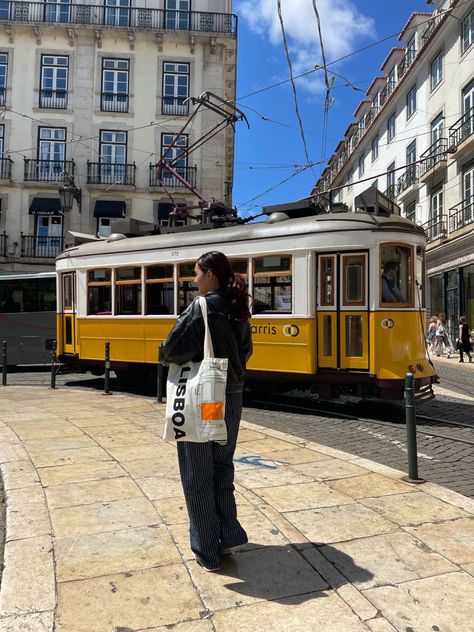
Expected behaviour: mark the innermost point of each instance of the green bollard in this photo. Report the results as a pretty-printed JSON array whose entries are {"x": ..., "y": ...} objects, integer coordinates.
[
  {"x": 4, "y": 363},
  {"x": 107, "y": 370},
  {"x": 410, "y": 413},
  {"x": 53, "y": 366}
]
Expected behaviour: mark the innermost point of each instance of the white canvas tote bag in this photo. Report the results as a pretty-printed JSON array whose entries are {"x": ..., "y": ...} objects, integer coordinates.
[{"x": 195, "y": 396}]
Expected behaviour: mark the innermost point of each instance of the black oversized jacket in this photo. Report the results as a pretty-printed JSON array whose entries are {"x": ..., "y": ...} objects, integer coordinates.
[{"x": 231, "y": 339}]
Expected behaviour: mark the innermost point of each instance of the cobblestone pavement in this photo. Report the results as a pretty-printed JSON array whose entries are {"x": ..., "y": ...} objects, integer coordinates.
[{"x": 442, "y": 461}]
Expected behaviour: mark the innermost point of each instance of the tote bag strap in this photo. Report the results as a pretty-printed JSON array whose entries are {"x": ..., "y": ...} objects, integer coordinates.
[{"x": 208, "y": 347}]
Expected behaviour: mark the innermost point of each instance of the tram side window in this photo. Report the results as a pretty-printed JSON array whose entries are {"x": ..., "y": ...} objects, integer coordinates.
[
  {"x": 187, "y": 291},
  {"x": 99, "y": 291},
  {"x": 27, "y": 295},
  {"x": 396, "y": 275},
  {"x": 353, "y": 280},
  {"x": 128, "y": 291},
  {"x": 420, "y": 275},
  {"x": 326, "y": 278},
  {"x": 159, "y": 290},
  {"x": 272, "y": 291}
]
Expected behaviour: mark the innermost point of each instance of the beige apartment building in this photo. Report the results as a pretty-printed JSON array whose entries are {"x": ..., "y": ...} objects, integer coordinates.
[
  {"x": 91, "y": 95},
  {"x": 413, "y": 138}
]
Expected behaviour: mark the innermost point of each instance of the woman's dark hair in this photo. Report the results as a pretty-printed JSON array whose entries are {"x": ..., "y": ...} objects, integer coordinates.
[
  {"x": 462, "y": 320},
  {"x": 231, "y": 283}
]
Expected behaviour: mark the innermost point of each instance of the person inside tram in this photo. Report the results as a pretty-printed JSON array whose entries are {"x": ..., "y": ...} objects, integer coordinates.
[{"x": 390, "y": 292}]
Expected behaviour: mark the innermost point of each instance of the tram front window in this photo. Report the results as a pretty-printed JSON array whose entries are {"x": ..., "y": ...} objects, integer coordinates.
[{"x": 396, "y": 275}]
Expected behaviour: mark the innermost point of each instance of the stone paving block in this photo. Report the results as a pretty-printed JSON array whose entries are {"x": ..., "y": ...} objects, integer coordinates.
[
  {"x": 329, "y": 469},
  {"x": 389, "y": 559},
  {"x": 60, "y": 443},
  {"x": 78, "y": 472},
  {"x": 37, "y": 622},
  {"x": 469, "y": 568},
  {"x": 96, "y": 418},
  {"x": 328, "y": 571},
  {"x": 8, "y": 436},
  {"x": 139, "y": 453},
  {"x": 49, "y": 458},
  {"x": 160, "y": 466},
  {"x": 157, "y": 487},
  {"x": 268, "y": 444},
  {"x": 131, "y": 439},
  {"x": 96, "y": 554},
  {"x": 336, "y": 524},
  {"x": 302, "y": 496},
  {"x": 102, "y": 517},
  {"x": 263, "y": 477},
  {"x": 380, "y": 624},
  {"x": 454, "y": 539},
  {"x": 413, "y": 508},
  {"x": 369, "y": 486},
  {"x": 246, "y": 577},
  {"x": 436, "y": 603},
  {"x": 47, "y": 429},
  {"x": 18, "y": 474},
  {"x": 27, "y": 514},
  {"x": 28, "y": 578},
  {"x": 249, "y": 435},
  {"x": 295, "y": 456},
  {"x": 285, "y": 527},
  {"x": 198, "y": 625},
  {"x": 458, "y": 500},
  {"x": 313, "y": 612},
  {"x": 12, "y": 452},
  {"x": 357, "y": 602},
  {"x": 135, "y": 601},
  {"x": 89, "y": 492}
]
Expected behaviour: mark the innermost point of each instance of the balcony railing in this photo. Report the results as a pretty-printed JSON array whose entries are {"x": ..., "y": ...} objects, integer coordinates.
[
  {"x": 387, "y": 91},
  {"x": 169, "y": 180},
  {"x": 3, "y": 245},
  {"x": 462, "y": 217},
  {"x": 48, "y": 170},
  {"x": 408, "y": 178},
  {"x": 3, "y": 92},
  {"x": 6, "y": 168},
  {"x": 391, "y": 192},
  {"x": 53, "y": 99},
  {"x": 436, "y": 228},
  {"x": 431, "y": 27},
  {"x": 113, "y": 102},
  {"x": 111, "y": 173},
  {"x": 117, "y": 16},
  {"x": 41, "y": 247},
  {"x": 174, "y": 106},
  {"x": 433, "y": 155},
  {"x": 406, "y": 62},
  {"x": 462, "y": 128}
]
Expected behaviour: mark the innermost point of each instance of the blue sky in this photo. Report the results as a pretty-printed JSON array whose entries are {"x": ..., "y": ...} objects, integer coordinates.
[{"x": 269, "y": 151}]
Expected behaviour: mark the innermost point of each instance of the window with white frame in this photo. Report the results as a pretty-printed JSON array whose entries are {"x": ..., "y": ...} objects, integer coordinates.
[
  {"x": 57, "y": 10},
  {"x": 115, "y": 80},
  {"x": 390, "y": 192},
  {"x": 117, "y": 12},
  {"x": 361, "y": 165},
  {"x": 51, "y": 164},
  {"x": 113, "y": 157},
  {"x": 375, "y": 147},
  {"x": 410, "y": 211},
  {"x": 436, "y": 205},
  {"x": 392, "y": 78},
  {"x": 174, "y": 149},
  {"x": 350, "y": 177},
  {"x": 411, "y": 102},
  {"x": 436, "y": 71},
  {"x": 54, "y": 81},
  {"x": 3, "y": 77},
  {"x": 175, "y": 89},
  {"x": 391, "y": 128},
  {"x": 468, "y": 31}
]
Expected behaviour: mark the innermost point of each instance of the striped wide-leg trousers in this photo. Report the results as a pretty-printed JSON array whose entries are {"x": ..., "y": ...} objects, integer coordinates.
[{"x": 207, "y": 475}]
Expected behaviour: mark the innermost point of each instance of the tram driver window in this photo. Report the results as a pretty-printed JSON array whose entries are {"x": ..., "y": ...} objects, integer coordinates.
[
  {"x": 396, "y": 275},
  {"x": 159, "y": 290},
  {"x": 99, "y": 292},
  {"x": 272, "y": 284}
]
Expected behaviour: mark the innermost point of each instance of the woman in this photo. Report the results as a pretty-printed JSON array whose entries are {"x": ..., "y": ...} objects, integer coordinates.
[
  {"x": 442, "y": 336},
  {"x": 431, "y": 335},
  {"x": 206, "y": 469},
  {"x": 464, "y": 344}
]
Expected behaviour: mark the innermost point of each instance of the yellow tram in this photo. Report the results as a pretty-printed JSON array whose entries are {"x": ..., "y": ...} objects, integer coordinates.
[{"x": 320, "y": 318}]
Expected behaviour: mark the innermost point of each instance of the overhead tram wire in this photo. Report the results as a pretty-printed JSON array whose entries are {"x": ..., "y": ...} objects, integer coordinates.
[{"x": 293, "y": 85}]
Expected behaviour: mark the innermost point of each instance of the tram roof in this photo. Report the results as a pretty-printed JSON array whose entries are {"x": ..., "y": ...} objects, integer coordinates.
[{"x": 328, "y": 222}]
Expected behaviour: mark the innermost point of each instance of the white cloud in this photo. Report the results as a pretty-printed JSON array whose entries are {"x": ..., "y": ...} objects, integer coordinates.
[{"x": 341, "y": 24}]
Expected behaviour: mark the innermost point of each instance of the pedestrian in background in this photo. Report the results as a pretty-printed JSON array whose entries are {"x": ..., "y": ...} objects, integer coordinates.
[
  {"x": 443, "y": 338},
  {"x": 431, "y": 334},
  {"x": 464, "y": 340},
  {"x": 207, "y": 469}
]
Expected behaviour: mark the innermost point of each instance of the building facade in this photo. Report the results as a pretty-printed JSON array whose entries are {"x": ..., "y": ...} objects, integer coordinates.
[
  {"x": 413, "y": 139},
  {"x": 93, "y": 94}
]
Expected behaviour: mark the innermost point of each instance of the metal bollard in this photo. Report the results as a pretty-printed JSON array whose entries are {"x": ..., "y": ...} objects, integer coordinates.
[
  {"x": 4, "y": 363},
  {"x": 107, "y": 370},
  {"x": 410, "y": 412},
  {"x": 53, "y": 365},
  {"x": 159, "y": 382}
]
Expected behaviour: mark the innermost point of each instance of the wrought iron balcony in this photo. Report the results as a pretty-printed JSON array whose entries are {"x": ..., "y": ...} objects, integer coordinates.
[
  {"x": 431, "y": 27},
  {"x": 391, "y": 192},
  {"x": 436, "y": 228},
  {"x": 53, "y": 99},
  {"x": 433, "y": 156},
  {"x": 117, "y": 16},
  {"x": 113, "y": 102},
  {"x": 3, "y": 244},
  {"x": 174, "y": 106},
  {"x": 387, "y": 91},
  {"x": 371, "y": 114},
  {"x": 462, "y": 216},
  {"x": 48, "y": 170},
  {"x": 111, "y": 173},
  {"x": 6, "y": 168},
  {"x": 41, "y": 247},
  {"x": 169, "y": 180},
  {"x": 406, "y": 62},
  {"x": 407, "y": 179},
  {"x": 3, "y": 92},
  {"x": 462, "y": 129}
]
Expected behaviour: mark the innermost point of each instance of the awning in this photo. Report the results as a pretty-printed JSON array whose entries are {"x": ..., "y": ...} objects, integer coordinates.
[
  {"x": 45, "y": 206},
  {"x": 109, "y": 208}
]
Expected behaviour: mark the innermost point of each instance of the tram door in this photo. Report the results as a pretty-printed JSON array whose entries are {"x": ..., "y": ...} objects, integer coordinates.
[
  {"x": 69, "y": 309},
  {"x": 343, "y": 316}
]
